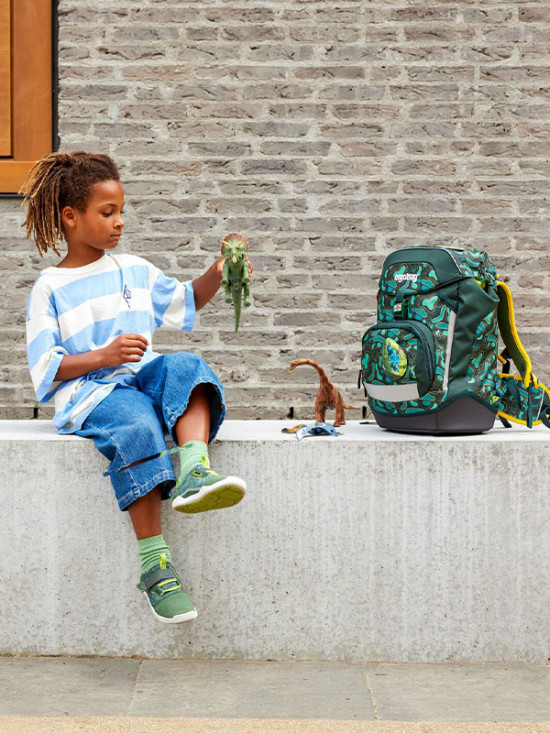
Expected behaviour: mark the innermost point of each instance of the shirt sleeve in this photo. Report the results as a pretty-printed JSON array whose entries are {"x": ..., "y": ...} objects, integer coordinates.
[
  {"x": 44, "y": 350},
  {"x": 173, "y": 301}
]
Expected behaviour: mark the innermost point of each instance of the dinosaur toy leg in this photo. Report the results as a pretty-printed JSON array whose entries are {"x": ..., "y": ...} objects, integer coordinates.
[
  {"x": 225, "y": 282},
  {"x": 340, "y": 418},
  {"x": 320, "y": 407},
  {"x": 246, "y": 285}
]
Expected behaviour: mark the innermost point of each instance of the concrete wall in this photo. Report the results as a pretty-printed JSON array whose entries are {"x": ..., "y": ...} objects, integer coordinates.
[
  {"x": 329, "y": 133},
  {"x": 368, "y": 546}
]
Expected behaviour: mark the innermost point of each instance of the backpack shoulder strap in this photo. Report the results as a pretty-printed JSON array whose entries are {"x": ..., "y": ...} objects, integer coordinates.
[
  {"x": 526, "y": 400},
  {"x": 507, "y": 327}
]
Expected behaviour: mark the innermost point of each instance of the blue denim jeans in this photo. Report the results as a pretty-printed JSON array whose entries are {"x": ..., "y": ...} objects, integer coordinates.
[{"x": 132, "y": 421}]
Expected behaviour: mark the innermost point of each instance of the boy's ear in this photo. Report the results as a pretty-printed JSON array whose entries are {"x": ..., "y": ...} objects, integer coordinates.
[{"x": 68, "y": 217}]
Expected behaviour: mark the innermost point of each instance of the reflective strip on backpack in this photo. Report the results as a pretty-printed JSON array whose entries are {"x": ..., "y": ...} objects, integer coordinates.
[
  {"x": 450, "y": 339},
  {"x": 393, "y": 392}
]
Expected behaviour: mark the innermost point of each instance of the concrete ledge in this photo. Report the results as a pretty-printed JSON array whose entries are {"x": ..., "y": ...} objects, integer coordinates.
[{"x": 367, "y": 547}]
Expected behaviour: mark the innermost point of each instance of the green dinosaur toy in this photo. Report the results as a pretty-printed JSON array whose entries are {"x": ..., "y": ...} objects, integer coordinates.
[{"x": 236, "y": 275}]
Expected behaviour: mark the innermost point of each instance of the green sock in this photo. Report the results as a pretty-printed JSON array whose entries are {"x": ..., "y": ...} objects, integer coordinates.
[
  {"x": 192, "y": 453},
  {"x": 150, "y": 549}
]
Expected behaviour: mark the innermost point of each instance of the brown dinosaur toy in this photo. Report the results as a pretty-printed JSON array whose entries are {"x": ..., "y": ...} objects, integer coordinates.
[{"x": 327, "y": 395}]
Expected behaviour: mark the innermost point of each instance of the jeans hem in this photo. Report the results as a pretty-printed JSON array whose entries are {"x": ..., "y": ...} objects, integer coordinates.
[{"x": 137, "y": 492}]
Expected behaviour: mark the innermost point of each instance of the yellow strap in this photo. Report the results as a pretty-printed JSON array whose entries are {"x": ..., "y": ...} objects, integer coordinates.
[{"x": 507, "y": 327}]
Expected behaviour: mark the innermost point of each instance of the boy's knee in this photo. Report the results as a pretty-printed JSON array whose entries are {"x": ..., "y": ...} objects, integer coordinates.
[{"x": 188, "y": 361}]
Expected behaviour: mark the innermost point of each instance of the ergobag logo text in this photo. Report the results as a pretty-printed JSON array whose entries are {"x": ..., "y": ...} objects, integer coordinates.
[
  {"x": 402, "y": 277},
  {"x": 431, "y": 364}
]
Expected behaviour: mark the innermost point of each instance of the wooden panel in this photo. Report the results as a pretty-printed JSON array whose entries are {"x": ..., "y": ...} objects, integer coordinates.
[
  {"x": 13, "y": 174},
  {"x": 31, "y": 117},
  {"x": 5, "y": 77},
  {"x": 32, "y": 79}
]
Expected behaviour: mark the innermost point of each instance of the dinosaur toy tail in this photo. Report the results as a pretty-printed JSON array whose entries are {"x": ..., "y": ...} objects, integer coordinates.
[{"x": 236, "y": 296}]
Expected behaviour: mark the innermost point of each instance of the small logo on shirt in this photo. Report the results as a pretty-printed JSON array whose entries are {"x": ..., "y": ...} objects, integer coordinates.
[{"x": 127, "y": 295}]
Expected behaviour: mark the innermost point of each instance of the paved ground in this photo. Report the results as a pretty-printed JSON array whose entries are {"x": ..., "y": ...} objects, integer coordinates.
[
  {"x": 196, "y": 725},
  {"x": 61, "y": 694}
]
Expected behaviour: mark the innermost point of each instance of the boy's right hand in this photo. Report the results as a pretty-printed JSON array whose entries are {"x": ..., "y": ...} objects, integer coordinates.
[{"x": 126, "y": 347}]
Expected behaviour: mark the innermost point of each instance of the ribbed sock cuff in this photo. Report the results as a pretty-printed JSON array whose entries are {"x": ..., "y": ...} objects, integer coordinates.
[
  {"x": 150, "y": 549},
  {"x": 192, "y": 453}
]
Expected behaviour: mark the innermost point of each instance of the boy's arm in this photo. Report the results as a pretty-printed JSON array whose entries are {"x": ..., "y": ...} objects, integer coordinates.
[
  {"x": 127, "y": 347},
  {"x": 206, "y": 286}
]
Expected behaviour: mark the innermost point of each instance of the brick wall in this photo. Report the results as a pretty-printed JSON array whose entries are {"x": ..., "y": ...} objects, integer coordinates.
[{"x": 329, "y": 134}]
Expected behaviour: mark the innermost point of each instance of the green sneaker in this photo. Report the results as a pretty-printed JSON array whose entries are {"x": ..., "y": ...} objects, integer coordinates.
[
  {"x": 202, "y": 489},
  {"x": 167, "y": 599}
]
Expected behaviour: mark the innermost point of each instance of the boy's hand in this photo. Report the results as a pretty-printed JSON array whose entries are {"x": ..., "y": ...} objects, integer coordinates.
[{"x": 127, "y": 347}]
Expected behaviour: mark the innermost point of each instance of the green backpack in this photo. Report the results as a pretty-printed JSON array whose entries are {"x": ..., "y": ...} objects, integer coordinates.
[{"x": 431, "y": 362}]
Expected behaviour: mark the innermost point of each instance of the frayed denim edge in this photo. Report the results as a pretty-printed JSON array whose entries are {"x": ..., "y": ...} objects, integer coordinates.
[
  {"x": 139, "y": 491},
  {"x": 175, "y": 415}
]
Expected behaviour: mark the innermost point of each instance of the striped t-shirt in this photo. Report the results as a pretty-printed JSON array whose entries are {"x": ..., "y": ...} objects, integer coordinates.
[{"x": 80, "y": 309}]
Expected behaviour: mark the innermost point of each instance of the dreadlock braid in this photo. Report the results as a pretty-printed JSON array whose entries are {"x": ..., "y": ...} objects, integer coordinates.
[{"x": 58, "y": 180}]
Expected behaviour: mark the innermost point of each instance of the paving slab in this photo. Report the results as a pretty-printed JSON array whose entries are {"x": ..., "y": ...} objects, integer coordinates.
[
  {"x": 64, "y": 686},
  {"x": 460, "y": 692},
  {"x": 252, "y": 690}
]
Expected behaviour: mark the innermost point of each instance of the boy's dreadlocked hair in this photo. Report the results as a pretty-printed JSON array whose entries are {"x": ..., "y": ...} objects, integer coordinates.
[{"x": 56, "y": 181}]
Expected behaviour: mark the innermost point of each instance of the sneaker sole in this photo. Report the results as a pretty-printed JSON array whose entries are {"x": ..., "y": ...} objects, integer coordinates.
[
  {"x": 220, "y": 495},
  {"x": 179, "y": 619}
]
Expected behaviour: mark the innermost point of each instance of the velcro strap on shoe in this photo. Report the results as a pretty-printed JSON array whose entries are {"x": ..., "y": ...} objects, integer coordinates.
[{"x": 157, "y": 576}]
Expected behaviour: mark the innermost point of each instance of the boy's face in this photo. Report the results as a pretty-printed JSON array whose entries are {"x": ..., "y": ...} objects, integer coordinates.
[{"x": 100, "y": 226}]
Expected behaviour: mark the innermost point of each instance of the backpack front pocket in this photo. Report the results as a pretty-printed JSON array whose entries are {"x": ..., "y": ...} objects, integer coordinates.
[{"x": 397, "y": 361}]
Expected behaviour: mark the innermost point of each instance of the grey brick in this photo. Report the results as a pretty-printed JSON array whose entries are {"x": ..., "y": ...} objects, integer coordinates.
[
  {"x": 273, "y": 167},
  {"x": 277, "y": 91},
  {"x": 332, "y": 33},
  {"x": 362, "y": 52},
  {"x": 298, "y": 110},
  {"x": 277, "y": 52},
  {"x": 438, "y": 33},
  {"x": 355, "y": 92},
  {"x": 276, "y": 129},
  {"x": 330, "y": 72},
  {"x": 367, "y": 149},
  {"x": 252, "y": 32},
  {"x": 238, "y": 205},
  {"x": 295, "y": 149},
  {"x": 352, "y": 131},
  {"x": 139, "y": 52},
  {"x": 220, "y": 149}
]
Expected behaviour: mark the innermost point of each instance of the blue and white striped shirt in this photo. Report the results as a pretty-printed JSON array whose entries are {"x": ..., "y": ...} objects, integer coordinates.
[{"x": 81, "y": 309}]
